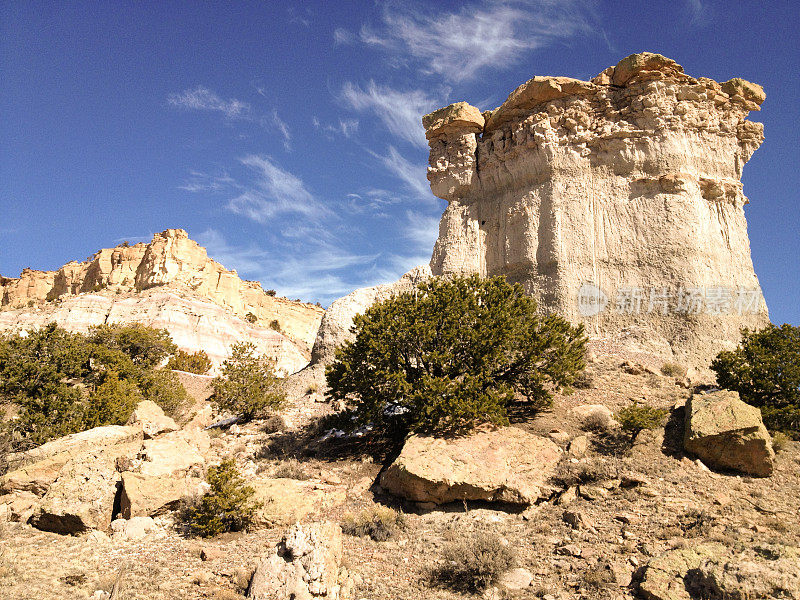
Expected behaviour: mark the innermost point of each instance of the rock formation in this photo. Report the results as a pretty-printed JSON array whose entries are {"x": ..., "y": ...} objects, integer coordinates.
[
  {"x": 171, "y": 283},
  {"x": 616, "y": 202},
  {"x": 504, "y": 465}
]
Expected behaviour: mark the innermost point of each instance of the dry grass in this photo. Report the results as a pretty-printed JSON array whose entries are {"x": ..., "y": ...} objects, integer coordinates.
[
  {"x": 377, "y": 522},
  {"x": 474, "y": 561}
]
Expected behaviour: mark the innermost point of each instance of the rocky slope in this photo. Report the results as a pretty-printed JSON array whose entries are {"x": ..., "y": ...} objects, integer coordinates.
[
  {"x": 616, "y": 202},
  {"x": 172, "y": 283}
]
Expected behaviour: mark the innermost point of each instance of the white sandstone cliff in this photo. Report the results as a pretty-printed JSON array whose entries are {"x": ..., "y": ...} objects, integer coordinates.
[{"x": 629, "y": 183}]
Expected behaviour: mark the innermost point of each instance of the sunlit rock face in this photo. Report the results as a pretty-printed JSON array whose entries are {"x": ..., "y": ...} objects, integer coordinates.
[
  {"x": 171, "y": 283},
  {"x": 616, "y": 202}
]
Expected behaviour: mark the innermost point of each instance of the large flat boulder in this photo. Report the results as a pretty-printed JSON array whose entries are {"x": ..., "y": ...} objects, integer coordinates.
[
  {"x": 664, "y": 576},
  {"x": 284, "y": 501},
  {"x": 151, "y": 418},
  {"x": 502, "y": 465},
  {"x": 304, "y": 565},
  {"x": 725, "y": 433},
  {"x": 174, "y": 453},
  {"x": 149, "y": 496}
]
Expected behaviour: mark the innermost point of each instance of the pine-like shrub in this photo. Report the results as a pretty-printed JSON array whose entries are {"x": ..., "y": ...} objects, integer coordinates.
[
  {"x": 194, "y": 362},
  {"x": 227, "y": 506},
  {"x": 452, "y": 354},
  {"x": 247, "y": 385}
]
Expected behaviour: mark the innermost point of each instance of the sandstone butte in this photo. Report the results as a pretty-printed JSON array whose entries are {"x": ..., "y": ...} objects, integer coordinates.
[
  {"x": 629, "y": 183},
  {"x": 171, "y": 283}
]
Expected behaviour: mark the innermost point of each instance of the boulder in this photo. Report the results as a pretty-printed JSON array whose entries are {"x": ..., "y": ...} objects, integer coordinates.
[
  {"x": 149, "y": 416},
  {"x": 173, "y": 453},
  {"x": 709, "y": 570},
  {"x": 304, "y": 565},
  {"x": 284, "y": 502},
  {"x": 663, "y": 577},
  {"x": 135, "y": 528},
  {"x": 725, "y": 433},
  {"x": 149, "y": 496},
  {"x": 82, "y": 497},
  {"x": 456, "y": 117},
  {"x": 501, "y": 465}
]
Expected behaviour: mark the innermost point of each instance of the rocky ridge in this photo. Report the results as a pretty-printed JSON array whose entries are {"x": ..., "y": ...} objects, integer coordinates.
[
  {"x": 172, "y": 283},
  {"x": 616, "y": 202}
]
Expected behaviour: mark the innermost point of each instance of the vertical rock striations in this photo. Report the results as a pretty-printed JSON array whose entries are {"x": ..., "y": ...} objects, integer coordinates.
[{"x": 617, "y": 202}]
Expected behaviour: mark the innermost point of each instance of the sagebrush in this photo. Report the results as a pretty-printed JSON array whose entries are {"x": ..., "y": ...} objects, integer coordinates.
[{"x": 474, "y": 561}]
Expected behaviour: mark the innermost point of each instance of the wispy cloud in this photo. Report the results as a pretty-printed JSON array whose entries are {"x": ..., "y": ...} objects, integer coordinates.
[
  {"x": 202, "y": 98},
  {"x": 273, "y": 192},
  {"x": 698, "y": 12},
  {"x": 422, "y": 229},
  {"x": 320, "y": 270},
  {"x": 345, "y": 127},
  {"x": 411, "y": 174},
  {"x": 283, "y": 128},
  {"x": 205, "y": 182},
  {"x": 342, "y": 36},
  {"x": 401, "y": 112},
  {"x": 457, "y": 45}
]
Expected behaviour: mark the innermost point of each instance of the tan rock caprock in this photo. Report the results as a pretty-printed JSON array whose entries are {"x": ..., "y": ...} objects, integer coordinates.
[{"x": 624, "y": 192}]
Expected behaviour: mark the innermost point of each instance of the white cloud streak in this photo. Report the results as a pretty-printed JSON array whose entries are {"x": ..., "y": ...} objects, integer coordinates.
[
  {"x": 401, "y": 112},
  {"x": 457, "y": 45},
  {"x": 274, "y": 192},
  {"x": 201, "y": 98},
  {"x": 412, "y": 175}
]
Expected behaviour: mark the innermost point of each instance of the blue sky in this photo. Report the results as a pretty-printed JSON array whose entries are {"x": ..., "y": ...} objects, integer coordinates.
[{"x": 285, "y": 136}]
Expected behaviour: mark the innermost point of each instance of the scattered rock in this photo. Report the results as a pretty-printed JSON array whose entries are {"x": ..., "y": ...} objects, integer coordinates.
[
  {"x": 515, "y": 579},
  {"x": 726, "y": 433},
  {"x": 502, "y": 465},
  {"x": 578, "y": 520},
  {"x": 304, "y": 565},
  {"x": 579, "y": 446},
  {"x": 149, "y": 416},
  {"x": 209, "y": 553}
]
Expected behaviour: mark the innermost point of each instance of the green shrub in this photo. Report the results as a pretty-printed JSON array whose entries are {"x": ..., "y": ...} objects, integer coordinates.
[
  {"x": 227, "y": 506},
  {"x": 250, "y": 318},
  {"x": 377, "y": 522},
  {"x": 271, "y": 293},
  {"x": 112, "y": 402},
  {"x": 165, "y": 389},
  {"x": 145, "y": 346},
  {"x": 452, "y": 354},
  {"x": 195, "y": 362},
  {"x": 63, "y": 382},
  {"x": 474, "y": 561},
  {"x": 671, "y": 369},
  {"x": 275, "y": 325},
  {"x": 247, "y": 386},
  {"x": 635, "y": 418},
  {"x": 765, "y": 370}
]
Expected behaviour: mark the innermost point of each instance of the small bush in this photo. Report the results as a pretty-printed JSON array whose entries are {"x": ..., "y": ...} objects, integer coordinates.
[
  {"x": 165, "y": 389},
  {"x": 671, "y": 369},
  {"x": 112, "y": 402},
  {"x": 377, "y": 522},
  {"x": 635, "y": 418},
  {"x": 291, "y": 469},
  {"x": 779, "y": 441},
  {"x": 765, "y": 370},
  {"x": 474, "y": 561},
  {"x": 227, "y": 506},
  {"x": 312, "y": 389},
  {"x": 196, "y": 362},
  {"x": 568, "y": 474},
  {"x": 247, "y": 386},
  {"x": 250, "y": 318},
  {"x": 275, "y": 325},
  {"x": 271, "y": 292},
  {"x": 584, "y": 381}
]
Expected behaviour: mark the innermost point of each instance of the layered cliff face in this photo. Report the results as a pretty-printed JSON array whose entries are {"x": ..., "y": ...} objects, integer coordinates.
[
  {"x": 616, "y": 202},
  {"x": 172, "y": 283}
]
